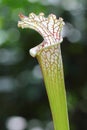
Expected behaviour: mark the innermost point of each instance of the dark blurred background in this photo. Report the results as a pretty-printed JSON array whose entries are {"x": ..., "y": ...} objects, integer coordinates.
[{"x": 23, "y": 99}]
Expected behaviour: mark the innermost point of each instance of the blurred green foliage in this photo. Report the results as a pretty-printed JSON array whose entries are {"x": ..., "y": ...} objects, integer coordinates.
[{"x": 22, "y": 91}]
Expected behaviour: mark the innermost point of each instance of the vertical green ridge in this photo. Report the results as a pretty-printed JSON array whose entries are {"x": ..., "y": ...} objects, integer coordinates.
[{"x": 51, "y": 65}]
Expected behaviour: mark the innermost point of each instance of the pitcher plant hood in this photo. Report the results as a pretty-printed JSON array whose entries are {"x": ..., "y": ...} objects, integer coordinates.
[{"x": 50, "y": 29}]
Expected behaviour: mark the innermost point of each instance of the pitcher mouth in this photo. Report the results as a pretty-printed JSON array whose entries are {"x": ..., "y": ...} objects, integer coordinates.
[{"x": 50, "y": 29}]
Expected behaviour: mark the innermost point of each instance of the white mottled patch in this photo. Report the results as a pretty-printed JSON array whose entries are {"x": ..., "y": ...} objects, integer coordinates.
[{"x": 50, "y": 28}]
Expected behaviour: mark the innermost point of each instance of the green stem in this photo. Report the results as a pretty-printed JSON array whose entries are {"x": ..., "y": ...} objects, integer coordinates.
[{"x": 51, "y": 65}]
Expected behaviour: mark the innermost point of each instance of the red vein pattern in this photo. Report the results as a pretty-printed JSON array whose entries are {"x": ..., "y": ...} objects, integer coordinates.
[{"x": 50, "y": 29}]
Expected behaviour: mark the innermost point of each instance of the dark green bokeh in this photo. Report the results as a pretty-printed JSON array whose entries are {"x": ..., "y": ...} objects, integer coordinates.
[{"x": 22, "y": 91}]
